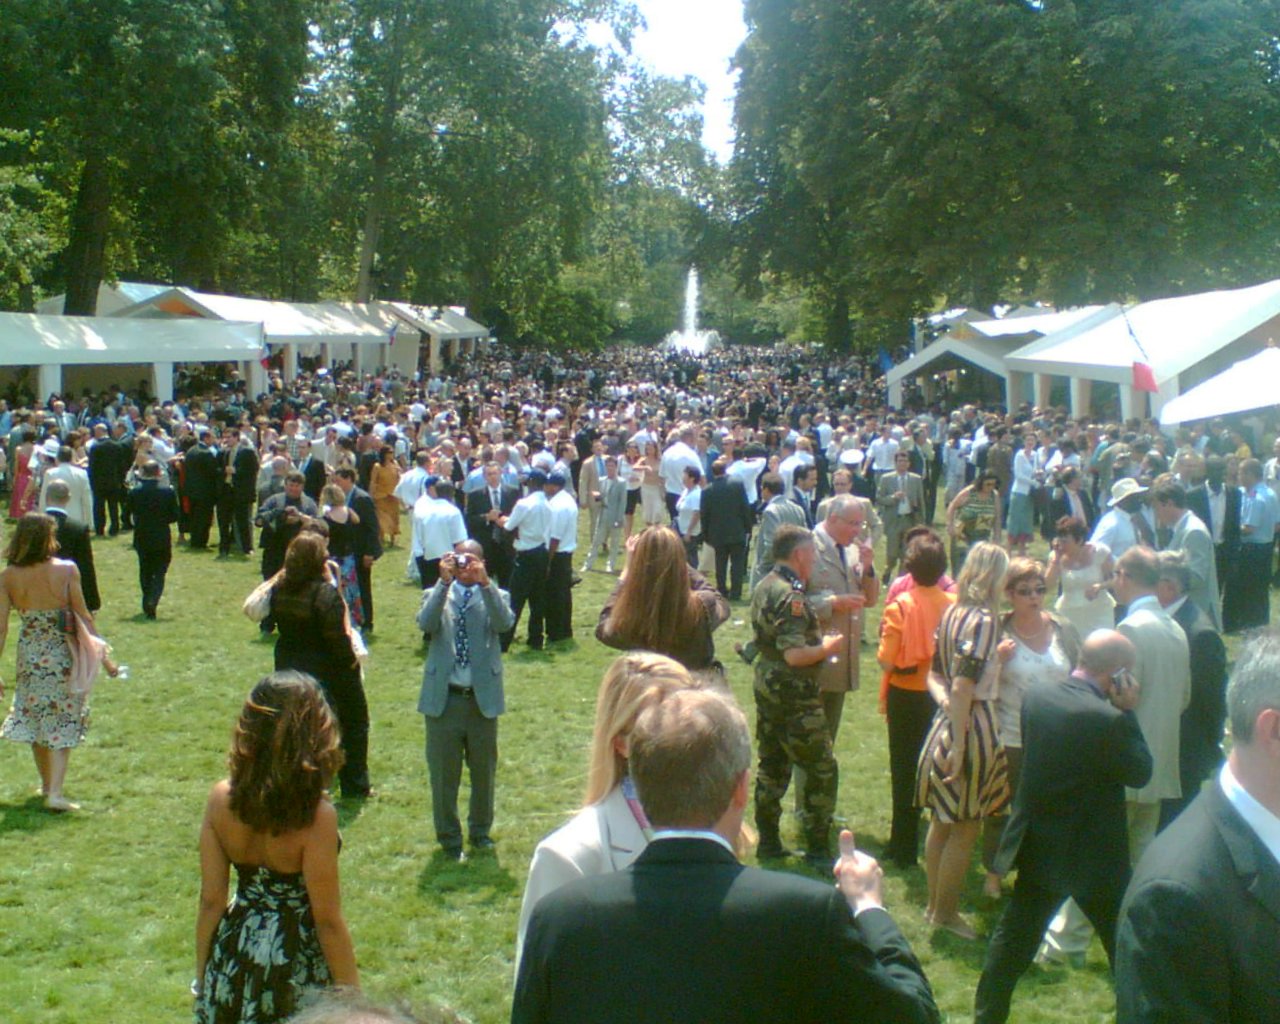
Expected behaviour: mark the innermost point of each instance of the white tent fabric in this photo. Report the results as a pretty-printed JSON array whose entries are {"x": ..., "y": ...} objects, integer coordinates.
[
  {"x": 111, "y": 297},
  {"x": 1248, "y": 384},
  {"x": 1174, "y": 334},
  {"x": 1033, "y": 323},
  {"x": 29, "y": 339}
]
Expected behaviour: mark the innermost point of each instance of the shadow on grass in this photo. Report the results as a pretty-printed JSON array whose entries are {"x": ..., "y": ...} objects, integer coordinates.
[
  {"x": 477, "y": 872},
  {"x": 30, "y": 816}
]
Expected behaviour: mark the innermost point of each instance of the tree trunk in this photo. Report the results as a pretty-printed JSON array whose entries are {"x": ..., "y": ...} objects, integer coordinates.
[
  {"x": 372, "y": 225},
  {"x": 86, "y": 250},
  {"x": 839, "y": 331}
]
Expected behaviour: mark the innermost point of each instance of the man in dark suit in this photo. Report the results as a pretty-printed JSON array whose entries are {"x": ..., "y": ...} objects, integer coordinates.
[
  {"x": 153, "y": 506},
  {"x": 1069, "y": 499},
  {"x": 108, "y": 462},
  {"x": 201, "y": 486},
  {"x": 1067, "y": 833},
  {"x": 699, "y": 936},
  {"x": 727, "y": 519},
  {"x": 281, "y": 518},
  {"x": 1200, "y": 924},
  {"x": 368, "y": 539},
  {"x": 73, "y": 541},
  {"x": 1200, "y": 732},
  {"x": 237, "y": 490},
  {"x": 484, "y": 508}
]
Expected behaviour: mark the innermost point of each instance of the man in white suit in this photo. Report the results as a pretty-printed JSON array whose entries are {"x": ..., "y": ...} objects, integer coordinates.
[
  {"x": 80, "y": 505},
  {"x": 1191, "y": 537},
  {"x": 1162, "y": 667}
]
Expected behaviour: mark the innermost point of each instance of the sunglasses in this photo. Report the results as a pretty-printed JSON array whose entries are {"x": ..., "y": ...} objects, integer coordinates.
[{"x": 1031, "y": 591}]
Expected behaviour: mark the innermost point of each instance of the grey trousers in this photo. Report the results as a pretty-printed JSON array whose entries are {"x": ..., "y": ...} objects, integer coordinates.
[{"x": 461, "y": 734}]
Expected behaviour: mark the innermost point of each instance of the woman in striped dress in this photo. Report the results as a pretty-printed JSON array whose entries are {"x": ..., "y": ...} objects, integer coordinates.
[{"x": 962, "y": 776}]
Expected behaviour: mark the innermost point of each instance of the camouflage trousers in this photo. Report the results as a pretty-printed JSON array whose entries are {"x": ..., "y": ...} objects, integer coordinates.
[{"x": 792, "y": 732}]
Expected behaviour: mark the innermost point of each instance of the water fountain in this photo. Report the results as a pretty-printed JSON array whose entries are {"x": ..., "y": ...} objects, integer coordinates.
[{"x": 689, "y": 339}]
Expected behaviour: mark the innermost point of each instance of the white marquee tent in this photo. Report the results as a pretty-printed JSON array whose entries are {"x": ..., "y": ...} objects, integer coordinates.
[
  {"x": 1248, "y": 384},
  {"x": 69, "y": 353}
]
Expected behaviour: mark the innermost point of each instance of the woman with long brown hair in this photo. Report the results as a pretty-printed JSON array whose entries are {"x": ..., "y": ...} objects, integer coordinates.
[
  {"x": 48, "y": 712},
  {"x": 314, "y": 637},
  {"x": 283, "y": 934},
  {"x": 661, "y": 604}
]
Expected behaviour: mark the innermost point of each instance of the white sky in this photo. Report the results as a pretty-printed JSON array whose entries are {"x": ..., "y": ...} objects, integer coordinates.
[{"x": 697, "y": 37}]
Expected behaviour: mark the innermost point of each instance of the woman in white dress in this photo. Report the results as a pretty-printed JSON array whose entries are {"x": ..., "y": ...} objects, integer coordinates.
[
  {"x": 1036, "y": 646},
  {"x": 1079, "y": 573},
  {"x": 653, "y": 500}
]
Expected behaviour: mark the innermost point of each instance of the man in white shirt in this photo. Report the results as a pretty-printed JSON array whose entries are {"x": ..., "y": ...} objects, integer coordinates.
[
  {"x": 882, "y": 450},
  {"x": 530, "y": 521},
  {"x": 677, "y": 457},
  {"x": 1117, "y": 529},
  {"x": 79, "y": 506},
  {"x": 1200, "y": 923},
  {"x": 562, "y": 541},
  {"x": 438, "y": 528},
  {"x": 747, "y": 470}
]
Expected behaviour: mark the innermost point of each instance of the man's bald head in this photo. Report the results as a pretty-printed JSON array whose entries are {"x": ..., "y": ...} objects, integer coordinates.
[{"x": 1106, "y": 652}]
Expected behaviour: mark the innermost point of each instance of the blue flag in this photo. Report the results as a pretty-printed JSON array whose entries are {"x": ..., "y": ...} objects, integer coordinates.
[{"x": 886, "y": 361}]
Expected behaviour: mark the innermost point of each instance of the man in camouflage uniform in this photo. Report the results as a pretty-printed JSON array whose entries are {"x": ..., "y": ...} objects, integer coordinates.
[{"x": 791, "y": 728}]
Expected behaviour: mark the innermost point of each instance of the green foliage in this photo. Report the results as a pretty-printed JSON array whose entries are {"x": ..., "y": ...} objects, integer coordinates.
[
  {"x": 893, "y": 153},
  {"x": 26, "y": 238}
]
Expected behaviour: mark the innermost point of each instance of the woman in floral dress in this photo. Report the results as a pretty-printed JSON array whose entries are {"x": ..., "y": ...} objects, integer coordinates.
[
  {"x": 283, "y": 934},
  {"x": 47, "y": 712}
]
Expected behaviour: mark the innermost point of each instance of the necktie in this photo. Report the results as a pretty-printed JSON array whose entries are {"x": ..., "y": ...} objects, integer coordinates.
[{"x": 461, "y": 644}]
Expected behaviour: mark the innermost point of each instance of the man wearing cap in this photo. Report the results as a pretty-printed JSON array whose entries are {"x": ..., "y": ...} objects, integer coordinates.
[
  {"x": 1119, "y": 528},
  {"x": 562, "y": 542},
  {"x": 530, "y": 523}
]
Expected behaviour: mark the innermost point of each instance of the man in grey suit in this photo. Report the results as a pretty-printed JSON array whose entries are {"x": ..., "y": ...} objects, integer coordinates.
[
  {"x": 464, "y": 615},
  {"x": 900, "y": 495},
  {"x": 1191, "y": 537},
  {"x": 778, "y": 511},
  {"x": 608, "y": 513}
]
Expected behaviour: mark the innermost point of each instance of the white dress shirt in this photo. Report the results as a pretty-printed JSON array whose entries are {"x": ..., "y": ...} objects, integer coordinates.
[{"x": 437, "y": 526}]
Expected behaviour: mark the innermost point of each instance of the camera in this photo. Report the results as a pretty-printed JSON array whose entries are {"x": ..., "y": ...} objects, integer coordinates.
[{"x": 462, "y": 561}]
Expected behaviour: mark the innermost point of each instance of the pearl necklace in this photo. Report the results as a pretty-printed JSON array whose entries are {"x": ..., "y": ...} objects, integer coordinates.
[{"x": 1034, "y": 636}]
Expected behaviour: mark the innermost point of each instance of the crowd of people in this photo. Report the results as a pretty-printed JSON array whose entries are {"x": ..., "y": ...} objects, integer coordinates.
[{"x": 1065, "y": 715}]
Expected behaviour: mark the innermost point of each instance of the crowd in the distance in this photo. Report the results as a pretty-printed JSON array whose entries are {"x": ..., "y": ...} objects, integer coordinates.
[{"x": 1058, "y": 714}]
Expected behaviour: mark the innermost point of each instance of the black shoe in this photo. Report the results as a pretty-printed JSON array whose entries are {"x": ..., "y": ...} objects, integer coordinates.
[
  {"x": 772, "y": 849},
  {"x": 482, "y": 845},
  {"x": 453, "y": 853},
  {"x": 818, "y": 860}
]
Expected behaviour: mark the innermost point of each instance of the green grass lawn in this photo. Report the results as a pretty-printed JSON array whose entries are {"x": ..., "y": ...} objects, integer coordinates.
[{"x": 97, "y": 909}]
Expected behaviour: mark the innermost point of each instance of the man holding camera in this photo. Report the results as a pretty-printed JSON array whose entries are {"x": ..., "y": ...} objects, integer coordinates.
[{"x": 463, "y": 615}]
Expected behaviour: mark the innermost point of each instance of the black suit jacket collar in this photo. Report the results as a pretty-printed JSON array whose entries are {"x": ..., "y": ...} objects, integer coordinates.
[
  {"x": 1253, "y": 862},
  {"x": 685, "y": 851}
]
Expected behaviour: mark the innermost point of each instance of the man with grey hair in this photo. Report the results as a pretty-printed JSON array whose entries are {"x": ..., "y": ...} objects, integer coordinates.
[
  {"x": 73, "y": 540},
  {"x": 702, "y": 937},
  {"x": 1200, "y": 732},
  {"x": 1067, "y": 834},
  {"x": 1200, "y": 924}
]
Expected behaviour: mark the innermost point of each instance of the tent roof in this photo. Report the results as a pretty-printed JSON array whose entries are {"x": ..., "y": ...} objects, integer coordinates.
[
  {"x": 987, "y": 353},
  {"x": 1175, "y": 334},
  {"x": 29, "y": 339},
  {"x": 306, "y": 322},
  {"x": 1025, "y": 320},
  {"x": 443, "y": 322},
  {"x": 1248, "y": 384},
  {"x": 111, "y": 297}
]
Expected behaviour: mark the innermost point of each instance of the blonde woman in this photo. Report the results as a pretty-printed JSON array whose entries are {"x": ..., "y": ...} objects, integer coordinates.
[
  {"x": 611, "y": 830},
  {"x": 962, "y": 775}
]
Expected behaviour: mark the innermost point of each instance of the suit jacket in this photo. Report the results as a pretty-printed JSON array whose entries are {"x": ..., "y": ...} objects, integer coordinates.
[
  {"x": 1163, "y": 668},
  {"x": 885, "y": 490},
  {"x": 108, "y": 462},
  {"x": 488, "y": 614},
  {"x": 727, "y": 516},
  {"x": 1192, "y": 538},
  {"x": 832, "y": 578},
  {"x": 778, "y": 512},
  {"x": 588, "y": 481},
  {"x": 613, "y": 502},
  {"x": 1200, "y": 742},
  {"x": 598, "y": 840},
  {"x": 74, "y": 544},
  {"x": 154, "y": 507},
  {"x": 1068, "y": 829},
  {"x": 689, "y": 934},
  {"x": 1059, "y": 506},
  {"x": 368, "y": 535},
  {"x": 80, "y": 507},
  {"x": 243, "y": 485},
  {"x": 479, "y": 505},
  {"x": 1198, "y": 502},
  {"x": 1200, "y": 924},
  {"x": 200, "y": 483}
]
